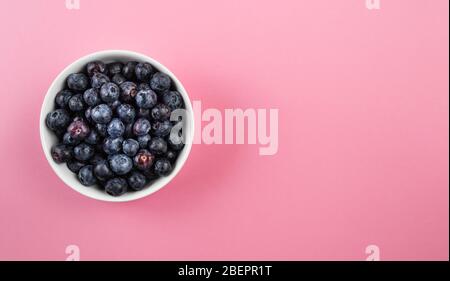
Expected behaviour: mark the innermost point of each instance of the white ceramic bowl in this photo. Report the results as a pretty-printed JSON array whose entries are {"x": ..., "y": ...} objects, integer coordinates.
[{"x": 48, "y": 138}]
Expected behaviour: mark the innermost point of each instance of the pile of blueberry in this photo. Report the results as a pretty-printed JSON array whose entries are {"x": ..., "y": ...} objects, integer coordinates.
[{"x": 113, "y": 125}]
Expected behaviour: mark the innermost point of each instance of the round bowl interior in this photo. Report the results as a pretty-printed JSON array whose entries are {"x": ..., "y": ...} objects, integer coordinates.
[{"x": 48, "y": 138}]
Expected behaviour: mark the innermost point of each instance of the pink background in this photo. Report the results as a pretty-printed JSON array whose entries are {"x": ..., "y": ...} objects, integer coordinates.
[{"x": 363, "y": 142}]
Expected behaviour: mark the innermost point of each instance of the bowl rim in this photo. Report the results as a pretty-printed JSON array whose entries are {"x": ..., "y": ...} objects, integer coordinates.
[{"x": 46, "y": 143}]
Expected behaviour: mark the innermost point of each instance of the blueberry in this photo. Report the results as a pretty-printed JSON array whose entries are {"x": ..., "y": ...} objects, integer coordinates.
[
  {"x": 62, "y": 98},
  {"x": 77, "y": 81},
  {"x": 59, "y": 133},
  {"x": 128, "y": 91},
  {"x": 61, "y": 153},
  {"x": 143, "y": 140},
  {"x": 91, "y": 97},
  {"x": 172, "y": 99},
  {"x": 128, "y": 130},
  {"x": 118, "y": 79},
  {"x": 97, "y": 158},
  {"x": 116, "y": 186},
  {"x": 161, "y": 128},
  {"x": 101, "y": 129},
  {"x": 114, "y": 105},
  {"x": 130, "y": 147},
  {"x": 109, "y": 92},
  {"x": 160, "y": 82},
  {"x": 101, "y": 114},
  {"x": 115, "y": 68},
  {"x": 120, "y": 164},
  {"x": 143, "y": 159},
  {"x": 171, "y": 156},
  {"x": 157, "y": 146},
  {"x": 95, "y": 67},
  {"x": 150, "y": 174},
  {"x": 75, "y": 166},
  {"x": 102, "y": 171},
  {"x": 146, "y": 99},
  {"x": 126, "y": 113},
  {"x": 143, "y": 71},
  {"x": 76, "y": 103},
  {"x": 87, "y": 114},
  {"x": 144, "y": 112},
  {"x": 137, "y": 181},
  {"x": 112, "y": 145},
  {"x": 143, "y": 86},
  {"x": 93, "y": 137},
  {"x": 69, "y": 140},
  {"x": 163, "y": 167},
  {"x": 115, "y": 128},
  {"x": 83, "y": 152},
  {"x": 86, "y": 175},
  {"x": 78, "y": 129},
  {"x": 141, "y": 127},
  {"x": 161, "y": 112},
  {"x": 98, "y": 80},
  {"x": 128, "y": 69},
  {"x": 57, "y": 119}
]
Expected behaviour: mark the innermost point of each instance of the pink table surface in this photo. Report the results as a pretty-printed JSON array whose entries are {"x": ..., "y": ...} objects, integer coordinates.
[{"x": 363, "y": 130}]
